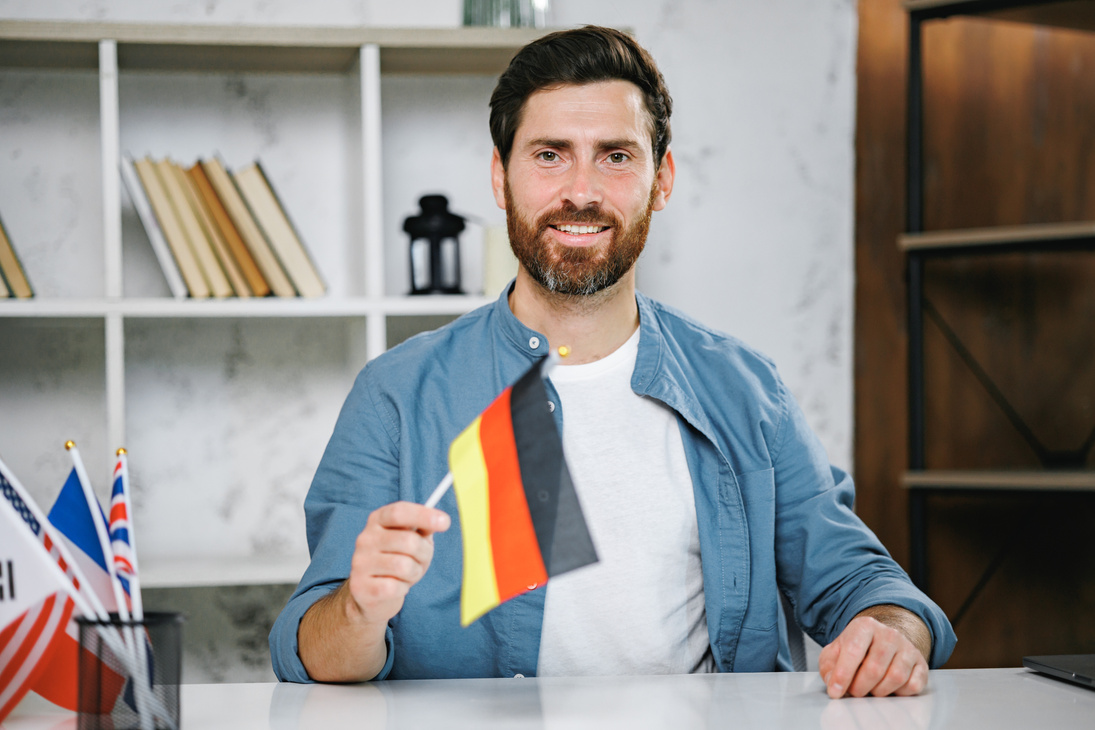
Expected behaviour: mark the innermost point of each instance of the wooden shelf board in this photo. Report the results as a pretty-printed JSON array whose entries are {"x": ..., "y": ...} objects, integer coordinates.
[
  {"x": 1047, "y": 234},
  {"x": 426, "y": 305},
  {"x": 158, "y": 47},
  {"x": 181, "y": 572},
  {"x": 1068, "y": 481},
  {"x": 1071, "y": 14},
  {"x": 272, "y": 307}
]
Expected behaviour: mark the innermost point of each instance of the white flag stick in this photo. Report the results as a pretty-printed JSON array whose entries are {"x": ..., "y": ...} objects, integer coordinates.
[{"x": 440, "y": 490}]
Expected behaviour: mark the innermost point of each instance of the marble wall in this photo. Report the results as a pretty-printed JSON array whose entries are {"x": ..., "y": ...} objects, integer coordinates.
[{"x": 756, "y": 241}]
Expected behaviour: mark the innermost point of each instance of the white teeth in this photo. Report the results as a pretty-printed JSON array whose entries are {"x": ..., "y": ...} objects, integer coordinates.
[{"x": 580, "y": 229}]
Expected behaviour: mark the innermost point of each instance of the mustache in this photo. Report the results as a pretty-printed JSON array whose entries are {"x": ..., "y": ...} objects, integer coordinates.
[{"x": 570, "y": 213}]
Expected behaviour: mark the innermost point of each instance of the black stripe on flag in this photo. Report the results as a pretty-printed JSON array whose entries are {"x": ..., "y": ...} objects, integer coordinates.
[{"x": 557, "y": 518}]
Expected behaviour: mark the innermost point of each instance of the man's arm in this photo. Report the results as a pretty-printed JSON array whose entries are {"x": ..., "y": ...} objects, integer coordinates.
[
  {"x": 341, "y": 637},
  {"x": 884, "y": 650}
]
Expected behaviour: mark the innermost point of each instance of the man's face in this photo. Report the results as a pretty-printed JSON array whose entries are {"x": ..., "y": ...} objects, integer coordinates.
[{"x": 581, "y": 185}]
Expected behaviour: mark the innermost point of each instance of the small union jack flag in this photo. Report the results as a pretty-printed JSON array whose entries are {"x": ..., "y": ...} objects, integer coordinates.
[{"x": 124, "y": 563}]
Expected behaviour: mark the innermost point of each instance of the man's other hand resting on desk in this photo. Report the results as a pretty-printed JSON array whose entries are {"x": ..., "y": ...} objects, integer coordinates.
[{"x": 883, "y": 651}]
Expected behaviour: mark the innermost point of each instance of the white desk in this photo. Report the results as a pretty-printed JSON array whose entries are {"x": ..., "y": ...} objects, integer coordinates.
[{"x": 968, "y": 699}]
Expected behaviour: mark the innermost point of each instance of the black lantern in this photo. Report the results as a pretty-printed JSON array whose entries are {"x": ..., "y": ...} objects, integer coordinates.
[{"x": 435, "y": 247}]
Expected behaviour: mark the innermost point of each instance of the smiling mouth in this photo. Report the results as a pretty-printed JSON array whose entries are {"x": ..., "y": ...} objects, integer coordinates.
[{"x": 580, "y": 230}]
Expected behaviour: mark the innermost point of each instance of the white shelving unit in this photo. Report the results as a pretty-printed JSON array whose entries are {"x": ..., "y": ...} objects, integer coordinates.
[{"x": 359, "y": 58}]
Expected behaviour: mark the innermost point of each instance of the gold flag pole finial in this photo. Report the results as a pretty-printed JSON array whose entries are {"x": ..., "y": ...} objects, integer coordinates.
[
  {"x": 563, "y": 350},
  {"x": 70, "y": 445},
  {"x": 121, "y": 451}
]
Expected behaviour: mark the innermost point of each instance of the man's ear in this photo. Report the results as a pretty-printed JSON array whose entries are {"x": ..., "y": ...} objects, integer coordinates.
[
  {"x": 667, "y": 171},
  {"x": 498, "y": 179}
]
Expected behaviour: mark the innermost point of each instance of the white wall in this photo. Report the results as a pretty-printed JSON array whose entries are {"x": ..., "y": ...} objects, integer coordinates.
[{"x": 756, "y": 241}]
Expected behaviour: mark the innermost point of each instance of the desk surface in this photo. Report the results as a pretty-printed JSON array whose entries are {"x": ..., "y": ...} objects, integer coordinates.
[{"x": 964, "y": 698}]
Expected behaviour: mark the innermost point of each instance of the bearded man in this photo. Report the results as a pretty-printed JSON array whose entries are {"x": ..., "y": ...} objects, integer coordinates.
[{"x": 706, "y": 494}]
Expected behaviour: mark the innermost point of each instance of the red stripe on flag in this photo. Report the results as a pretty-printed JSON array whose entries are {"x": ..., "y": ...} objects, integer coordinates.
[
  {"x": 36, "y": 646},
  {"x": 117, "y": 511},
  {"x": 517, "y": 560},
  {"x": 59, "y": 684},
  {"x": 7, "y": 674}
]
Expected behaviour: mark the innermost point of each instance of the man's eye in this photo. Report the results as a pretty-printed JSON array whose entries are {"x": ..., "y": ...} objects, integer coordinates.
[
  {"x": 617, "y": 157},
  {"x": 548, "y": 156}
]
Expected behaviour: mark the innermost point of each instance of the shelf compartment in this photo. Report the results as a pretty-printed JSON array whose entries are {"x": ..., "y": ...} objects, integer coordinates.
[
  {"x": 266, "y": 307},
  {"x": 1071, "y": 14},
  {"x": 188, "y": 572},
  {"x": 227, "y": 48},
  {"x": 1034, "y": 237},
  {"x": 1015, "y": 480}
]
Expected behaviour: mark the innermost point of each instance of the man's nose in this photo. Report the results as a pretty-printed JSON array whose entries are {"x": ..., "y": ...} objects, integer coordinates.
[{"x": 583, "y": 185}]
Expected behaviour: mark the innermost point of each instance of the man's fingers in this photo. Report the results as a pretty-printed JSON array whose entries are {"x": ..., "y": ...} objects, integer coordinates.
[
  {"x": 854, "y": 644},
  {"x": 398, "y": 566},
  {"x": 872, "y": 658},
  {"x": 880, "y": 657},
  {"x": 917, "y": 681},
  {"x": 399, "y": 542},
  {"x": 391, "y": 554},
  {"x": 411, "y": 516}
]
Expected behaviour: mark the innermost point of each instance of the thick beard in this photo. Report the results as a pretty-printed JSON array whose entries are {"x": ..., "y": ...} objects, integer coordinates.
[{"x": 576, "y": 271}]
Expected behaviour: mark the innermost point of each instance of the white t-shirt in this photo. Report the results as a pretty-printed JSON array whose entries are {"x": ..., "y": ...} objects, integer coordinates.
[{"x": 640, "y": 609}]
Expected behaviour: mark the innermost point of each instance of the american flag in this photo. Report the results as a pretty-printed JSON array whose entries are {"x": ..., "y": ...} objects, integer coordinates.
[
  {"x": 28, "y": 643},
  {"x": 11, "y": 493}
]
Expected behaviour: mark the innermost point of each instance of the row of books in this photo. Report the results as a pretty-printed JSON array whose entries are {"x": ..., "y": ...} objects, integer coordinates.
[
  {"x": 13, "y": 279},
  {"x": 219, "y": 233}
]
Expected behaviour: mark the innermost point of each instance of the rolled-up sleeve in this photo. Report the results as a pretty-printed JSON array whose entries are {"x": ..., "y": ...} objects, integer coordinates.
[
  {"x": 357, "y": 474},
  {"x": 830, "y": 565}
]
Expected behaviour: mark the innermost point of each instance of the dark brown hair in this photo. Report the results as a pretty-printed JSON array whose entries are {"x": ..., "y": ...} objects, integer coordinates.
[{"x": 579, "y": 56}]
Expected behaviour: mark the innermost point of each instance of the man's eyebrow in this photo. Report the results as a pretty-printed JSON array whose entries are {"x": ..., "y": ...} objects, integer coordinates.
[
  {"x": 633, "y": 145},
  {"x": 625, "y": 143},
  {"x": 549, "y": 142}
]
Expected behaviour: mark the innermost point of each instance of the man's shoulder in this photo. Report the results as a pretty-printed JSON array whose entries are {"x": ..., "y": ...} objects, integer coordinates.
[
  {"x": 436, "y": 348},
  {"x": 685, "y": 335}
]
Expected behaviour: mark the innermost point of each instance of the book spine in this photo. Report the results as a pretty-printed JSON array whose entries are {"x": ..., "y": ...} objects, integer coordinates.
[
  {"x": 250, "y": 271},
  {"x": 213, "y": 235},
  {"x": 12, "y": 268},
  {"x": 148, "y": 172},
  {"x": 271, "y": 217},
  {"x": 141, "y": 204},
  {"x": 252, "y": 236},
  {"x": 175, "y": 185}
]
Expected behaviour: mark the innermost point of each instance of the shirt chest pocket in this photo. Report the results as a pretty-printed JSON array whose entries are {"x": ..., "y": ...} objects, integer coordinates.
[{"x": 759, "y": 497}]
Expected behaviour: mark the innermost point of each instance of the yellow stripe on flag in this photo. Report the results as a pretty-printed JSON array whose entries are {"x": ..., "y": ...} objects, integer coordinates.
[{"x": 469, "y": 471}]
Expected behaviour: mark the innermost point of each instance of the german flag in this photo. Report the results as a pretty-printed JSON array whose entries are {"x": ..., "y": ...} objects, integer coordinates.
[{"x": 519, "y": 513}]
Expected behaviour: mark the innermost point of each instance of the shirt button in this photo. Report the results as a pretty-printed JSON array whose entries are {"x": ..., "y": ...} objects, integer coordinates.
[
  {"x": 551, "y": 407},
  {"x": 533, "y": 586},
  {"x": 518, "y": 676},
  {"x": 534, "y": 342}
]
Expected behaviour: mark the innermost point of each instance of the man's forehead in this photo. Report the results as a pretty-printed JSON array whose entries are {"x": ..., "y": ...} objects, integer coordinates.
[{"x": 601, "y": 103}]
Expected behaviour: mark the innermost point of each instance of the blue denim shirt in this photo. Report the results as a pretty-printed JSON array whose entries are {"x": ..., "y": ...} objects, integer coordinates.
[{"x": 774, "y": 516}]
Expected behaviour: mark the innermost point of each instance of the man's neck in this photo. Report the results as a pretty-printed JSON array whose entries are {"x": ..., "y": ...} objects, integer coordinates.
[{"x": 590, "y": 326}]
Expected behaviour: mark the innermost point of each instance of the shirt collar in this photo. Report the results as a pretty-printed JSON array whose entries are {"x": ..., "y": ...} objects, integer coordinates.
[
  {"x": 651, "y": 339},
  {"x": 524, "y": 339}
]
